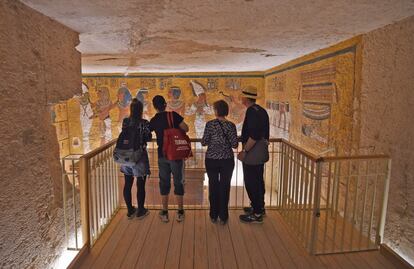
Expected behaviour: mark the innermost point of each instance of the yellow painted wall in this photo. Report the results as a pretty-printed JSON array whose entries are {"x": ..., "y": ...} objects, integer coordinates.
[
  {"x": 216, "y": 86},
  {"x": 311, "y": 100}
]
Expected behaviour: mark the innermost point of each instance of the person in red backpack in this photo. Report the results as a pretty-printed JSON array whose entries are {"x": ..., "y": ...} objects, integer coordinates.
[{"x": 159, "y": 123}]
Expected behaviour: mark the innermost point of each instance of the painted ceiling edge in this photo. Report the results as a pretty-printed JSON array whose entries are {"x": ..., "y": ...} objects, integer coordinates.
[{"x": 349, "y": 45}]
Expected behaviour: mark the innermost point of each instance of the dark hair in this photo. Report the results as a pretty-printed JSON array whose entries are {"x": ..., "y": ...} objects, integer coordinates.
[
  {"x": 136, "y": 109},
  {"x": 159, "y": 103},
  {"x": 221, "y": 107}
]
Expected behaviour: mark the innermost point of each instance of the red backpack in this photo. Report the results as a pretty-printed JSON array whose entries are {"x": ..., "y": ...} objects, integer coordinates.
[{"x": 176, "y": 144}]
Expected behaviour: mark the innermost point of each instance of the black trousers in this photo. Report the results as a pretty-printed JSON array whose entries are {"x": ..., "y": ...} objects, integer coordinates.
[
  {"x": 219, "y": 177},
  {"x": 129, "y": 181},
  {"x": 255, "y": 187}
]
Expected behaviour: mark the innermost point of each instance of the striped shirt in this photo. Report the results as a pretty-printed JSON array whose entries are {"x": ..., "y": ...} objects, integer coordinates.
[{"x": 220, "y": 137}]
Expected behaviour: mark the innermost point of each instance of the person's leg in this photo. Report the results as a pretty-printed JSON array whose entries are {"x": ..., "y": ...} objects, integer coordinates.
[
  {"x": 129, "y": 181},
  {"x": 165, "y": 181},
  {"x": 177, "y": 169},
  {"x": 256, "y": 185},
  {"x": 248, "y": 175},
  {"x": 226, "y": 173},
  {"x": 213, "y": 187},
  {"x": 261, "y": 191},
  {"x": 141, "y": 192}
]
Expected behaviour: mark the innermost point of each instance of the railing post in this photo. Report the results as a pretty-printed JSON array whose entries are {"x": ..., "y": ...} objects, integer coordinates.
[
  {"x": 316, "y": 207},
  {"x": 381, "y": 226},
  {"x": 84, "y": 199}
]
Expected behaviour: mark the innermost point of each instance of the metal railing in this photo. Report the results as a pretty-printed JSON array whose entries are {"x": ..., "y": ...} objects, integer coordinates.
[{"x": 332, "y": 204}]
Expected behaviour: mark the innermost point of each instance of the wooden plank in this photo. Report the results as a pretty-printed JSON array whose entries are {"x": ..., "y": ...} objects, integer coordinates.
[
  {"x": 213, "y": 245},
  {"x": 133, "y": 253},
  {"x": 156, "y": 244},
  {"x": 226, "y": 246},
  {"x": 265, "y": 247},
  {"x": 391, "y": 256},
  {"x": 95, "y": 251},
  {"x": 174, "y": 247},
  {"x": 110, "y": 246},
  {"x": 187, "y": 245},
  {"x": 252, "y": 245},
  {"x": 124, "y": 245},
  {"x": 298, "y": 253},
  {"x": 278, "y": 246},
  {"x": 239, "y": 245},
  {"x": 200, "y": 240},
  {"x": 376, "y": 260}
]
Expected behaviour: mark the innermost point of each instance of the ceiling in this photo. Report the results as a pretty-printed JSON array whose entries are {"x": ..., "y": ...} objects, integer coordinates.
[{"x": 212, "y": 35}]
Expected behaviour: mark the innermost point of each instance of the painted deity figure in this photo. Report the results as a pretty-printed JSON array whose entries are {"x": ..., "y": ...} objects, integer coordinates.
[
  {"x": 236, "y": 109},
  {"x": 123, "y": 102},
  {"x": 174, "y": 100},
  {"x": 103, "y": 106},
  {"x": 142, "y": 95},
  {"x": 200, "y": 108},
  {"x": 86, "y": 114}
]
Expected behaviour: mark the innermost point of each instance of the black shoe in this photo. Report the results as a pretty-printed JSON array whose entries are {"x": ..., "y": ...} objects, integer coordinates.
[
  {"x": 142, "y": 213},
  {"x": 213, "y": 220},
  {"x": 251, "y": 218},
  {"x": 249, "y": 210},
  {"x": 164, "y": 216},
  {"x": 131, "y": 213},
  {"x": 180, "y": 215}
]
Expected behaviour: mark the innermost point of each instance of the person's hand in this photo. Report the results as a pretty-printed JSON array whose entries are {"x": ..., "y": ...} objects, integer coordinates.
[{"x": 241, "y": 155}]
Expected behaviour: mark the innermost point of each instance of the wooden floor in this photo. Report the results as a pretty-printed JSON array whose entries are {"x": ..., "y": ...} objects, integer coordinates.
[{"x": 197, "y": 243}]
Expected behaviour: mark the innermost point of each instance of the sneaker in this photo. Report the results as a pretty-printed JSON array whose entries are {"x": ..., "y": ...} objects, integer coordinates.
[
  {"x": 142, "y": 213},
  {"x": 131, "y": 213},
  {"x": 213, "y": 220},
  {"x": 251, "y": 218},
  {"x": 180, "y": 215},
  {"x": 164, "y": 216},
  {"x": 249, "y": 210}
]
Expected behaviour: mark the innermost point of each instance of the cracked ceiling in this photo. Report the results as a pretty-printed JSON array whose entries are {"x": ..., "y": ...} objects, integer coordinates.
[{"x": 212, "y": 35}]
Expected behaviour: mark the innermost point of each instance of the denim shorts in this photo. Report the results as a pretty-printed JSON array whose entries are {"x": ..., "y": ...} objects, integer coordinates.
[
  {"x": 138, "y": 170},
  {"x": 176, "y": 168}
]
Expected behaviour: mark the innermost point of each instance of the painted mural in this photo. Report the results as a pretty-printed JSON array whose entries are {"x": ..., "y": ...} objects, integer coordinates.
[
  {"x": 95, "y": 116},
  {"x": 59, "y": 118},
  {"x": 310, "y": 102}
]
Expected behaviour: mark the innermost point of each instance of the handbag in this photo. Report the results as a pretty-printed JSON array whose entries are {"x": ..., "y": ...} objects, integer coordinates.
[{"x": 259, "y": 154}]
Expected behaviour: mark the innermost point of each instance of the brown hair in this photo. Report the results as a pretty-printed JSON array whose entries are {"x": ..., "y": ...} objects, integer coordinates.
[{"x": 221, "y": 107}]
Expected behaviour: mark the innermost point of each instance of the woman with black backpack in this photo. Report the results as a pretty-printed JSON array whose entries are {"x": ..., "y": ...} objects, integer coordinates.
[
  {"x": 139, "y": 129},
  {"x": 220, "y": 136}
]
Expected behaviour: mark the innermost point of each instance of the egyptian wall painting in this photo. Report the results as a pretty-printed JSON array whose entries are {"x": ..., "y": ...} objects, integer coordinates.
[
  {"x": 311, "y": 103},
  {"x": 94, "y": 117}
]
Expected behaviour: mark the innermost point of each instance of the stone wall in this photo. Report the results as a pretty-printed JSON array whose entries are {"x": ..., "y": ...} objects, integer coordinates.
[
  {"x": 39, "y": 66},
  {"x": 387, "y": 105}
]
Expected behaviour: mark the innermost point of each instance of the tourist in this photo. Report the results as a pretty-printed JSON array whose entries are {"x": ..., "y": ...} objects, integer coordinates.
[
  {"x": 158, "y": 124},
  {"x": 141, "y": 169},
  {"x": 220, "y": 136},
  {"x": 255, "y": 135}
]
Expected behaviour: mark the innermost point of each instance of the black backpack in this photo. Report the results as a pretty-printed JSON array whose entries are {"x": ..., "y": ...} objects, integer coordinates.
[{"x": 129, "y": 147}]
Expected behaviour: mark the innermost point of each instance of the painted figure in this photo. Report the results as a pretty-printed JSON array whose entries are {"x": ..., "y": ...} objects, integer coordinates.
[
  {"x": 142, "y": 96},
  {"x": 123, "y": 102},
  {"x": 236, "y": 109},
  {"x": 86, "y": 114},
  {"x": 103, "y": 106},
  {"x": 200, "y": 108},
  {"x": 174, "y": 100}
]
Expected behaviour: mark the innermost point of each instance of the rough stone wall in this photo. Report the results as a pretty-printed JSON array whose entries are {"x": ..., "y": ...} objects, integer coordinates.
[
  {"x": 39, "y": 66},
  {"x": 387, "y": 101}
]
